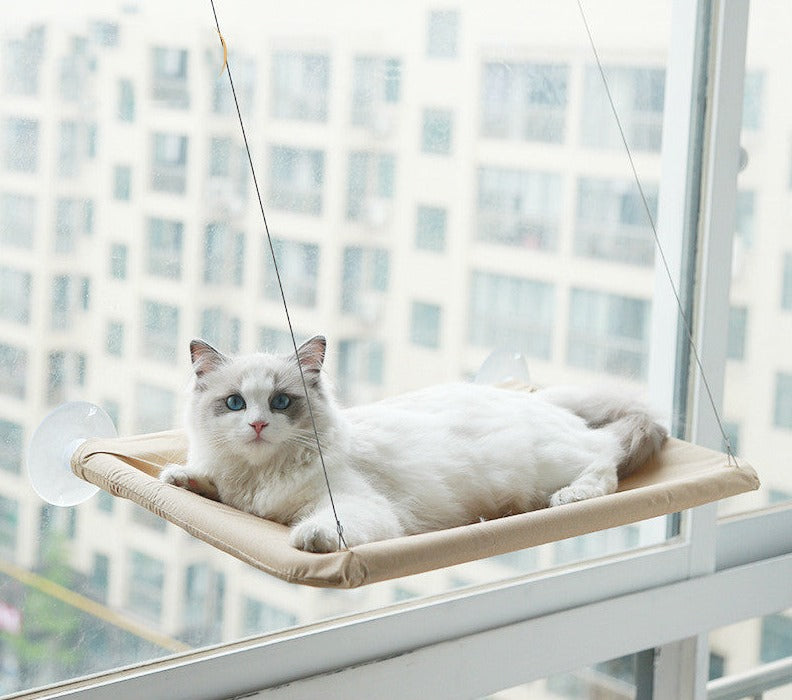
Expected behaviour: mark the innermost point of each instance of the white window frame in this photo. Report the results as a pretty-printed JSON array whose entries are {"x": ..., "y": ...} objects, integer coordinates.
[{"x": 473, "y": 642}]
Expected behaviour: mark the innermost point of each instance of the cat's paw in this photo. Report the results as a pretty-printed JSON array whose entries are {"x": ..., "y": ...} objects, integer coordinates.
[
  {"x": 179, "y": 476},
  {"x": 311, "y": 536},
  {"x": 573, "y": 494}
]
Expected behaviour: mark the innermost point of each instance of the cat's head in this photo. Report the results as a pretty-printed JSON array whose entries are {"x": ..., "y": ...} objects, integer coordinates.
[{"x": 252, "y": 407}]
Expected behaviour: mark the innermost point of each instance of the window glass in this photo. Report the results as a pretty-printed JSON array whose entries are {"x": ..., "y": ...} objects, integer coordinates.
[
  {"x": 437, "y": 131},
  {"x": 738, "y": 649},
  {"x": 439, "y": 184},
  {"x": 615, "y": 679},
  {"x": 300, "y": 83},
  {"x": 430, "y": 228},
  {"x": 441, "y": 33},
  {"x": 758, "y": 383}
]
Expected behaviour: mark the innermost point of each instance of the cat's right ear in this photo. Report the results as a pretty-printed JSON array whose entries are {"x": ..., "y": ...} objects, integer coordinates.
[{"x": 205, "y": 358}]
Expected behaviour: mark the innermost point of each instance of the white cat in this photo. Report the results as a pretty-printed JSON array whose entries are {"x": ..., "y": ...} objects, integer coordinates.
[{"x": 436, "y": 458}]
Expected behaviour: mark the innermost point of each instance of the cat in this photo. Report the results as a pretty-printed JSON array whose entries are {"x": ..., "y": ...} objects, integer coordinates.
[{"x": 431, "y": 459}]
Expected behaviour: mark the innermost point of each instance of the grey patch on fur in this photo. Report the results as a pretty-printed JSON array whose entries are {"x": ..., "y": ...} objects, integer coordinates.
[
  {"x": 295, "y": 410},
  {"x": 219, "y": 406}
]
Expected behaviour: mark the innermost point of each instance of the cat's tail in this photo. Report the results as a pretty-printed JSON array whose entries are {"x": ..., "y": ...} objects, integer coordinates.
[{"x": 618, "y": 411}]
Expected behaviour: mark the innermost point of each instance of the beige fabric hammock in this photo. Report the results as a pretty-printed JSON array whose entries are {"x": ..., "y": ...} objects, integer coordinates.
[{"x": 681, "y": 477}]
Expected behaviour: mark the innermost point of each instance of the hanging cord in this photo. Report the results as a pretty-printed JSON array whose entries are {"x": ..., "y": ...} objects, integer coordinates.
[
  {"x": 729, "y": 453},
  {"x": 227, "y": 65}
]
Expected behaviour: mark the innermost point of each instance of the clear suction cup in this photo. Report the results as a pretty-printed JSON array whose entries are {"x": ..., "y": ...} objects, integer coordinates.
[
  {"x": 503, "y": 366},
  {"x": 52, "y": 446}
]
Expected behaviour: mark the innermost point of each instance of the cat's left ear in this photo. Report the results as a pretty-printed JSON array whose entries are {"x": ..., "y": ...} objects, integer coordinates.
[
  {"x": 205, "y": 358},
  {"x": 312, "y": 353}
]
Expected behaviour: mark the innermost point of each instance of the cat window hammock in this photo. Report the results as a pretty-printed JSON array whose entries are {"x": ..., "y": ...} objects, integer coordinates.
[{"x": 682, "y": 476}]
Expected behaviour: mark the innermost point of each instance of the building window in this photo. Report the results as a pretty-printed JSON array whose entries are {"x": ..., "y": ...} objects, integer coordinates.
[
  {"x": 441, "y": 34},
  {"x": 425, "y": 325},
  {"x": 21, "y": 63},
  {"x": 169, "y": 79},
  {"x": 64, "y": 369},
  {"x": 220, "y": 329},
  {"x": 296, "y": 179},
  {"x": 11, "y": 446},
  {"x": 104, "y": 33},
  {"x": 169, "y": 163},
  {"x": 732, "y": 431},
  {"x": 165, "y": 248},
  {"x": 611, "y": 221},
  {"x": 160, "y": 331},
  {"x": 147, "y": 519},
  {"x": 364, "y": 280},
  {"x": 13, "y": 368},
  {"x": 524, "y": 101},
  {"x": 73, "y": 74},
  {"x": 430, "y": 228},
  {"x": 377, "y": 84},
  {"x": 155, "y": 408},
  {"x": 69, "y": 149},
  {"x": 511, "y": 312},
  {"x": 99, "y": 581},
  {"x": 360, "y": 362},
  {"x": 9, "y": 521},
  {"x": 370, "y": 187},
  {"x": 204, "y": 593},
  {"x": 786, "y": 283},
  {"x": 145, "y": 583},
  {"x": 62, "y": 305},
  {"x": 753, "y": 94},
  {"x": 277, "y": 340},
  {"x": 20, "y": 144},
  {"x": 222, "y": 100},
  {"x": 258, "y": 617},
  {"x": 640, "y": 94},
  {"x": 228, "y": 171},
  {"x": 735, "y": 344},
  {"x": 298, "y": 264},
  {"x": 744, "y": 215},
  {"x": 437, "y": 127},
  {"x": 17, "y": 220},
  {"x": 118, "y": 261},
  {"x": 104, "y": 500},
  {"x": 114, "y": 343},
  {"x": 73, "y": 218},
  {"x": 783, "y": 401},
  {"x": 519, "y": 208},
  {"x": 122, "y": 182},
  {"x": 15, "y": 291},
  {"x": 776, "y": 640},
  {"x": 224, "y": 255},
  {"x": 300, "y": 83},
  {"x": 608, "y": 333},
  {"x": 126, "y": 100}
]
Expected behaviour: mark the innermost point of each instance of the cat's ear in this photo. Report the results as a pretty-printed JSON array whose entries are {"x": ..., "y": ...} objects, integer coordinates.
[
  {"x": 205, "y": 358},
  {"x": 312, "y": 353}
]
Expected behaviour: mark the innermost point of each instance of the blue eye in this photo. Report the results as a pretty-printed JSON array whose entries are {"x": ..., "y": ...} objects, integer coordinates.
[
  {"x": 279, "y": 402},
  {"x": 235, "y": 402}
]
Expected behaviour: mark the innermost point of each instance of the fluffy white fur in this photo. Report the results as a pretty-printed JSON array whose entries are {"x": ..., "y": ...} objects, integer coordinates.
[{"x": 436, "y": 458}]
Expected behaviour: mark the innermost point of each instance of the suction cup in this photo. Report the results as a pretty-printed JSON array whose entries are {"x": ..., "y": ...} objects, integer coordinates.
[
  {"x": 503, "y": 366},
  {"x": 52, "y": 446}
]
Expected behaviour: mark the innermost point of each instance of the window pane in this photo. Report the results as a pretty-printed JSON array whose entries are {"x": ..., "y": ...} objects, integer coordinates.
[
  {"x": 433, "y": 193},
  {"x": 758, "y": 383}
]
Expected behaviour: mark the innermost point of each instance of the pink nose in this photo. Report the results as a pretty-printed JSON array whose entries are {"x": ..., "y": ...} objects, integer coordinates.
[{"x": 258, "y": 426}]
